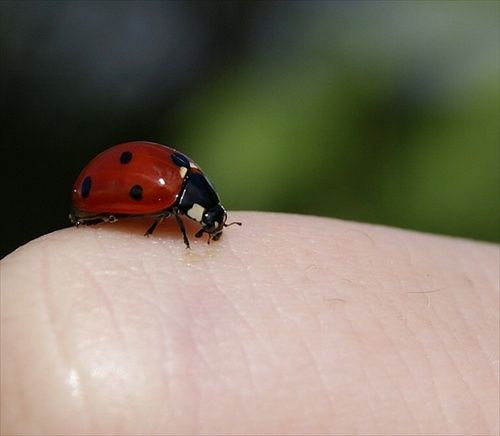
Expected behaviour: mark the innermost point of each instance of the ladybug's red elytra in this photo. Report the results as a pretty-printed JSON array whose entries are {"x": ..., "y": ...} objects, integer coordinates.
[{"x": 144, "y": 179}]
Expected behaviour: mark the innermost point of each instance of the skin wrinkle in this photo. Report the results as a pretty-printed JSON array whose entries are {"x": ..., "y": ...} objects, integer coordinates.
[
  {"x": 457, "y": 307},
  {"x": 226, "y": 383},
  {"x": 108, "y": 306},
  {"x": 193, "y": 363},
  {"x": 270, "y": 350},
  {"x": 381, "y": 373},
  {"x": 297, "y": 284},
  {"x": 319, "y": 373},
  {"x": 415, "y": 366},
  {"x": 491, "y": 373},
  {"x": 160, "y": 315},
  {"x": 221, "y": 295},
  {"x": 374, "y": 312},
  {"x": 250, "y": 325},
  {"x": 469, "y": 362},
  {"x": 393, "y": 353},
  {"x": 441, "y": 390},
  {"x": 361, "y": 425},
  {"x": 431, "y": 359},
  {"x": 240, "y": 316},
  {"x": 25, "y": 401},
  {"x": 415, "y": 410},
  {"x": 350, "y": 353},
  {"x": 83, "y": 393},
  {"x": 162, "y": 357},
  {"x": 438, "y": 392},
  {"x": 179, "y": 353},
  {"x": 118, "y": 302},
  {"x": 47, "y": 327},
  {"x": 147, "y": 321},
  {"x": 485, "y": 308},
  {"x": 477, "y": 340},
  {"x": 337, "y": 386},
  {"x": 55, "y": 318},
  {"x": 221, "y": 348}
]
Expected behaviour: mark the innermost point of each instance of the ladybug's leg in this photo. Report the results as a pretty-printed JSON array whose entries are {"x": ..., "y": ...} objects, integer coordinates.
[
  {"x": 89, "y": 222},
  {"x": 86, "y": 219},
  {"x": 183, "y": 230},
  {"x": 153, "y": 226}
]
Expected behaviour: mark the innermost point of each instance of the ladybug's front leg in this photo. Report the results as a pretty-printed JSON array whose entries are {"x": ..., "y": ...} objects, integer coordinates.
[
  {"x": 183, "y": 230},
  {"x": 159, "y": 219}
]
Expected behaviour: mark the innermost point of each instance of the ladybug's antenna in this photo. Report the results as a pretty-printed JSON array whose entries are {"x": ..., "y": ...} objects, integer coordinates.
[{"x": 234, "y": 222}]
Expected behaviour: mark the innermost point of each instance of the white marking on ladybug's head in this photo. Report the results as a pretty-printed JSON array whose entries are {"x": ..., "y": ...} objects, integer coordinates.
[
  {"x": 196, "y": 212},
  {"x": 183, "y": 171},
  {"x": 194, "y": 166}
]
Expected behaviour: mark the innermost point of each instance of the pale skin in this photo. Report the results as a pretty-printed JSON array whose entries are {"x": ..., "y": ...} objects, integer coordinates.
[{"x": 287, "y": 325}]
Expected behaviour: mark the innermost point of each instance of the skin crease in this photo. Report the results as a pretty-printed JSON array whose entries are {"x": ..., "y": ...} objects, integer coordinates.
[{"x": 289, "y": 324}]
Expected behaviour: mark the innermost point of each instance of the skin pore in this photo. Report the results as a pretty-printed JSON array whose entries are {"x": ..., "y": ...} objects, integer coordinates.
[{"x": 287, "y": 325}]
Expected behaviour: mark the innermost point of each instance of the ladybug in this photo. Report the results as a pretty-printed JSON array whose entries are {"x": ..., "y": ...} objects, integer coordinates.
[{"x": 144, "y": 179}]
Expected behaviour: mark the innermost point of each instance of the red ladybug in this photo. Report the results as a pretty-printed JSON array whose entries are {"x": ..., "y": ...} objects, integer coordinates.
[{"x": 144, "y": 179}]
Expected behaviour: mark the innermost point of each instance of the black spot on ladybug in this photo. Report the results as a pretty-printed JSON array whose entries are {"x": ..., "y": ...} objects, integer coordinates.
[
  {"x": 136, "y": 192},
  {"x": 180, "y": 160},
  {"x": 125, "y": 157},
  {"x": 86, "y": 185}
]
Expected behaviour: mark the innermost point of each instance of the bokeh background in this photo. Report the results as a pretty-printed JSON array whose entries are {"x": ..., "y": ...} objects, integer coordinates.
[{"x": 384, "y": 112}]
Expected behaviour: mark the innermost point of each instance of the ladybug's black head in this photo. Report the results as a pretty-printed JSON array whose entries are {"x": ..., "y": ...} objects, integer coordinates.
[
  {"x": 200, "y": 202},
  {"x": 213, "y": 221}
]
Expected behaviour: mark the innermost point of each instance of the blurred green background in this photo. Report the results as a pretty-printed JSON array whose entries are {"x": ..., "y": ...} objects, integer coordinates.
[{"x": 383, "y": 112}]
